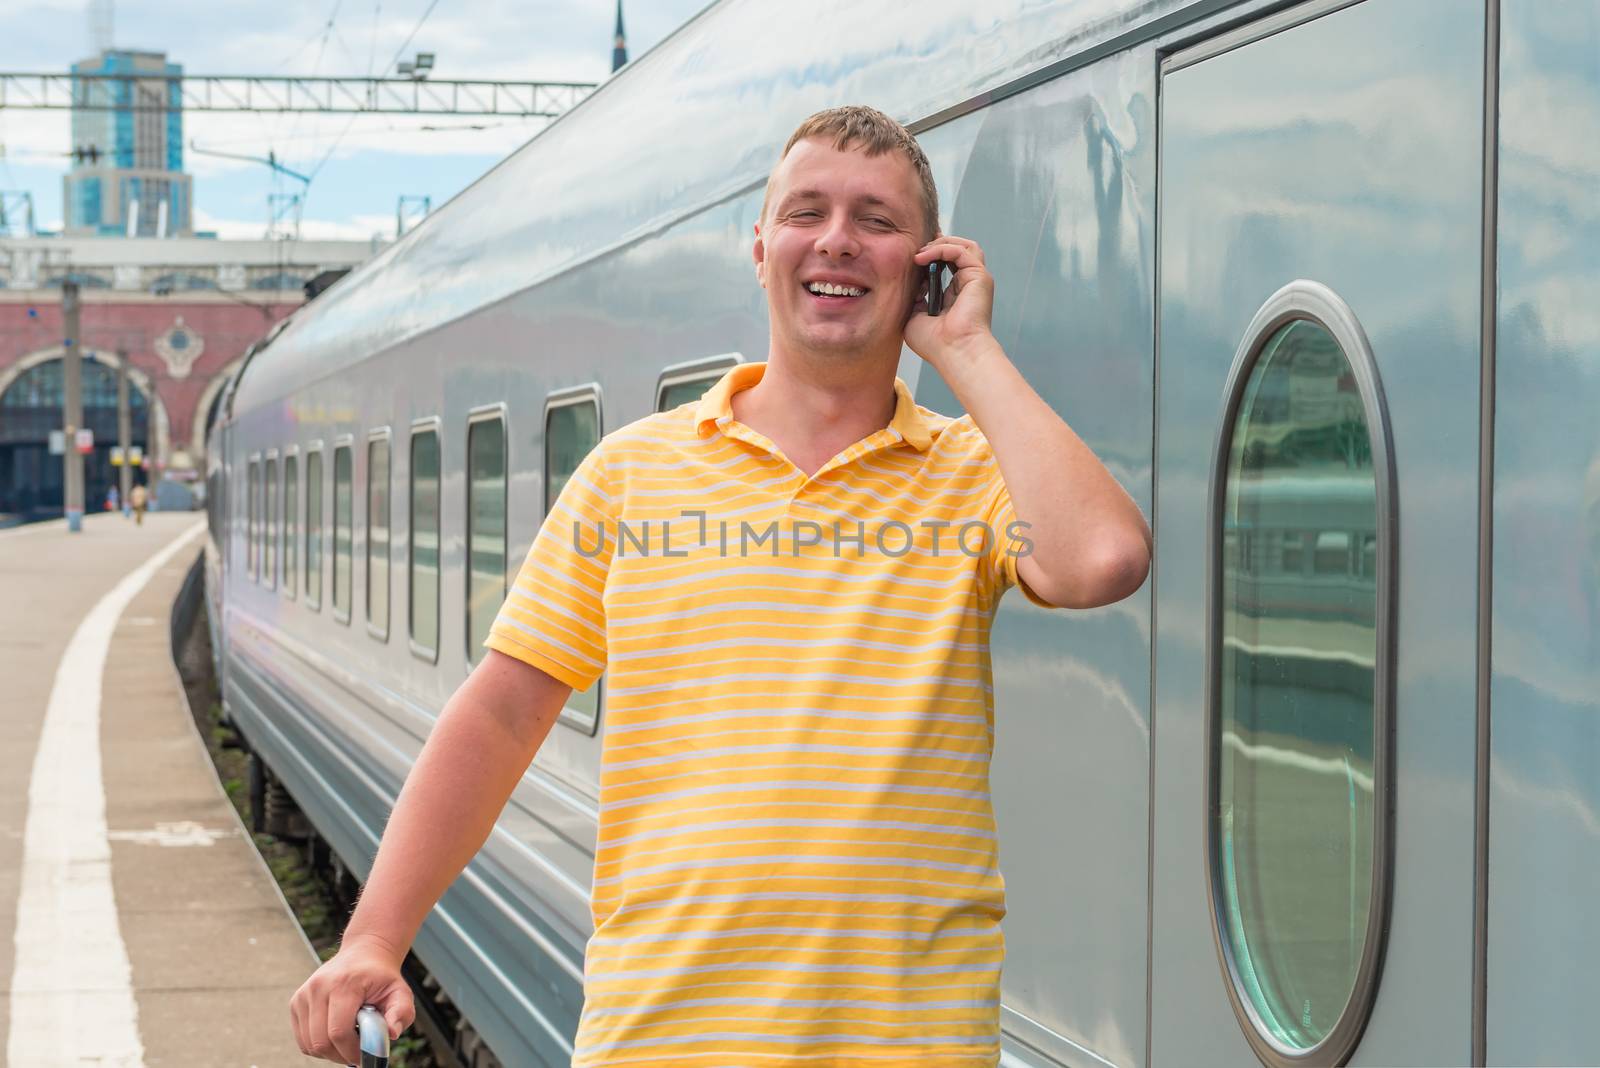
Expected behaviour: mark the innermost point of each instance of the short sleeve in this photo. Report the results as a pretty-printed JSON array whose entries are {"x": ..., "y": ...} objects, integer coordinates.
[
  {"x": 554, "y": 618},
  {"x": 1009, "y": 541}
]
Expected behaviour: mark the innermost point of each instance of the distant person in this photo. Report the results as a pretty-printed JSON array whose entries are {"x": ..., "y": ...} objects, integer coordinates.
[
  {"x": 796, "y": 841},
  {"x": 138, "y": 497},
  {"x": 113, "y": 498}
]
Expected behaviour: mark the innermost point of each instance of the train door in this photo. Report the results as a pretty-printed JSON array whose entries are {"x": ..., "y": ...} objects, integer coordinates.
[{"x": 1317, "y": 425}]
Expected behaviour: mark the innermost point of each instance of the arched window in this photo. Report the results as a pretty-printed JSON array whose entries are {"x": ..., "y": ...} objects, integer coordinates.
[
  {"x": 41, "y": 386},
  {"x": 1303, "y": 522}
]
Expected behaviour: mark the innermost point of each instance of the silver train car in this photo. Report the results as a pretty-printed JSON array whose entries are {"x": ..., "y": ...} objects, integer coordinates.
[{"x": 1315, "y": 280}]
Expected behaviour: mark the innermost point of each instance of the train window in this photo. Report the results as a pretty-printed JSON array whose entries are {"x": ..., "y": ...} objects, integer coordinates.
[
  {"x": 685, "y": 382},
  {"x": 269, "y": 544},
  {"x": 486, "y": 527},
  {"x": 378, "y": 535},
  {"x": 684, "y": 392},
  {"x": 1298, "y": 709},
  {"x": 252, "y": 488},
  {"x": 423, "y": 582},
  {"x": 342, "y": 500},
  {"x": 571, "y": 430},
  {"x": 1332, "y": 554},
  {"x": 291, "y": 519},
  {"x": 313, "y": 554},
  {"x": 1294, "y": 552}
]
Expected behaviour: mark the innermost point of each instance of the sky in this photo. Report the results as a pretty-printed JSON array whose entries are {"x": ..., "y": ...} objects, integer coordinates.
[{"x": 360, "y": 165}]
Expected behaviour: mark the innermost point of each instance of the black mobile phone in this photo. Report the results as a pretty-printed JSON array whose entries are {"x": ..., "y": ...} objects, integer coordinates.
[{"x": 936, "y": 287}]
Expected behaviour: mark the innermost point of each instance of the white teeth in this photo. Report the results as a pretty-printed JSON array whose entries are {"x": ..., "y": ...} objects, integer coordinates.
[{"x": 829, "y": 289}]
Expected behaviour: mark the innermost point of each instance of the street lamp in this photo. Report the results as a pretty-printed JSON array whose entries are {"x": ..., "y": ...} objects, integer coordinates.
[{"x": 417, "y": 68}]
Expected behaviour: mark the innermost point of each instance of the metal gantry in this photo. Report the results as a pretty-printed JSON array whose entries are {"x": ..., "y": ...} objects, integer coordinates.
[
  {"x": 16, "y": 213},
  {"x": 409, "y": 211},
  {"x": 280, "y": 94}
]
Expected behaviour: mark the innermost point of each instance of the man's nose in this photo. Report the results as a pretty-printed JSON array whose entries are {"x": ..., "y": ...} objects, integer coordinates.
[{"x": 838, "y": 237}]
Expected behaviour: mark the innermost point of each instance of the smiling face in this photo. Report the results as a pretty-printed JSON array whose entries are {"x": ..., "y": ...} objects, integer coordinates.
[{"x": 834, "y": 250}]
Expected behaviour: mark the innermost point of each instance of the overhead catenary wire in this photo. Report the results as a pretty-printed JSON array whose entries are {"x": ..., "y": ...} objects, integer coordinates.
[
  {"x": 329, "y": 28},
  {"x": 344, "y": 46},
  {"x": 270, "y": 128},
  {"x": 316, "y": 64},
  {"x": 298, "y": 49},
  {"x": 372, "y": 53},
  {"x": 372, "y": 41}
]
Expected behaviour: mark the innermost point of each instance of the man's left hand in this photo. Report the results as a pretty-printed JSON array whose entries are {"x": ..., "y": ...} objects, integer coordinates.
[{"x": 962, "y": 326}]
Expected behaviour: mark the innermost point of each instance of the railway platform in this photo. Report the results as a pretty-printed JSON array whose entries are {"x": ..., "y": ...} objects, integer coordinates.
[{"x": 138, "y": 924}]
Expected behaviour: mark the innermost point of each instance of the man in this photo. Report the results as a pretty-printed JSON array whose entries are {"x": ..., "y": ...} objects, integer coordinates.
[{"x": 796, "y": 861}]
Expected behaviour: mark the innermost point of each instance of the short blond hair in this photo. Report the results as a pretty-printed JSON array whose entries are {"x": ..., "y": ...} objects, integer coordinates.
[{"x": 876, "y": 133}]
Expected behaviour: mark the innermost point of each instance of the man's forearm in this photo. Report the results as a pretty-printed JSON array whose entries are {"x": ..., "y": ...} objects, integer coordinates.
[
  {"x": 466, "y": 771},
  {"x": 1090, "y": 538}
]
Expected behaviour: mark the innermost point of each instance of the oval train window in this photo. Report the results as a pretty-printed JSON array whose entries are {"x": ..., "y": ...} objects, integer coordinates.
[{"x": 1303, "y": 569}]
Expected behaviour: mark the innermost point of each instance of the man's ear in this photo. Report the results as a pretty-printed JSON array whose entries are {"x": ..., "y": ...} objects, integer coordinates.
[{"x": 759, "y": 254}]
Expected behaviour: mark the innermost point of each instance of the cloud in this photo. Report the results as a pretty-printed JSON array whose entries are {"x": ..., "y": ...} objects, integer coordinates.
[
  {"x": 39, "y": 138},
  {"x": 553, "y": 40}
]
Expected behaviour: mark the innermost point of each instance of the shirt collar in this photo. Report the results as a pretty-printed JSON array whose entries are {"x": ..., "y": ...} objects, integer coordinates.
[{"x": 716, "y": 406}]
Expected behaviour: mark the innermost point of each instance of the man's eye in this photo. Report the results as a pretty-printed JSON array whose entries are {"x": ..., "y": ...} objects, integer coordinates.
[
  {"x": 805, "y": 213},
  {"x": 878, "y": 220}
]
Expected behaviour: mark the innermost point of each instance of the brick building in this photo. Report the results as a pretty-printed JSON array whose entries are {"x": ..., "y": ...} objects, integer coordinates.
[{"x": 181, "y": 312}]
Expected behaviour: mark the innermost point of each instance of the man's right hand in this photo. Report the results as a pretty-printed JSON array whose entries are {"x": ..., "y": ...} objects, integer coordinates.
[
  {"x": 324, "y": 1008},
  {"x": 484, "y": 740}
]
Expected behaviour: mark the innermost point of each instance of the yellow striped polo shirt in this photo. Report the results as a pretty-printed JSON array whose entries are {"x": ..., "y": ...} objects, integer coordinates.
[{"x": 796, "y": 861}]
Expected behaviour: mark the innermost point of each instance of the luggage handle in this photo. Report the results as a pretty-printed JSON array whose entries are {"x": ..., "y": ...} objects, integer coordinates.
[{"x": 374, "y": 1038}]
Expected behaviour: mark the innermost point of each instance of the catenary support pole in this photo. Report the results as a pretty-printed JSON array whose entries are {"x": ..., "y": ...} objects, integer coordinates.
[
  {"x": 124, "y": 432},
  {"x": 151, "y": 460},
  {"x": 72, "y": 403}
]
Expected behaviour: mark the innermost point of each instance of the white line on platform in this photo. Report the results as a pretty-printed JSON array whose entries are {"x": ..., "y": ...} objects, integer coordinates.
[
  {"x": 180, "y": 833},
  {"x": 71, "y": 989}
]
